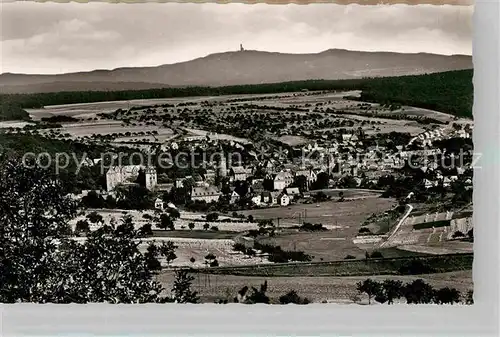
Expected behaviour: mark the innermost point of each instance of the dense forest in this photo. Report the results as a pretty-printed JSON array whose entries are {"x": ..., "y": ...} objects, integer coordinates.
[
  {"x": 11, "y": 110},
  {"x": 449, "y": 92}
]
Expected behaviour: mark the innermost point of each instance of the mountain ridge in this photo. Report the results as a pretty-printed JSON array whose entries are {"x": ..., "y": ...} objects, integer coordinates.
[{"x": 241, "y": 67}]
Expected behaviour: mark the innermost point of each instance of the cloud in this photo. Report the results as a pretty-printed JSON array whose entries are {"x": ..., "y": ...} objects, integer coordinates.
[{"x": 52, "y": 38}]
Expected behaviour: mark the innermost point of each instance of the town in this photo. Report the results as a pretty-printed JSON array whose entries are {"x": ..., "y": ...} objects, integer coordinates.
[{"x": 306, "y": 177}]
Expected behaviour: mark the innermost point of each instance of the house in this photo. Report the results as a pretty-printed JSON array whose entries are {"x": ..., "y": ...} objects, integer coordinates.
[
  {"x": 167, "y": 187},
  {"x": 310, "y": 176},
  {"x": 205, "y": 193},
  {"x": 256, "y": 200},
  {"x": 179, "y": 182},
  {"x": 159, "y": 204},
  {"x": 210, "y": 176},
  {"x": 257, "y": 186},
  {"x": 237, "y": 173},
  {"x": 234, "y": 197},
  {"x": 292, "y": 191},
  {"x": 428, "y": 183},
  {"x": 269, "y": 198},
  {"x": 129, "y": 174},
  {"x": 283, "y": 199},
  {"x": 274, "y": 197},
  {"x": 282, "y": 180}
]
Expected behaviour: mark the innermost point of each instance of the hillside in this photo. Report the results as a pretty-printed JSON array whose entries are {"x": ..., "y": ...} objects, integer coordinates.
[{"x": 238, "y": 68}]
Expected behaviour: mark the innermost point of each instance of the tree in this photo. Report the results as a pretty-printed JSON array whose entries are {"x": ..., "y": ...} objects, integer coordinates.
[
  {"x": 293, "y": 297},
  {"x": 32, "y": 208},
  {"x": 447, "y": 296},
  {"x": 192, "y": 260},
  {"x": 322, "y": 181},
  {"x": 470, "y": 234},
  {"x": 256, "y": 296},
  {"x": 191, "y": 225},
  {"x": 369, "y": 287},
  {"x": 212, "y": 216},
  {"x": 167, "y": 250},
  {"x": 376, "y": 255},
  {"x": 469, "y": 300},
  {"x": 391, "y": 290},
  {"x": 174, "y": 213},
  {"x": 126, "y": 228},
  {"x": 341, "y": 196},
  {"x": 82, "y": 226},
  {"x": 93, "y": 200},
  {"x": 38, "y": 264},
  {"x": 418, "y": 292},
  {"x": 166, "y": 222},
  {"x": 94, "y": 217},
  {"x": 206, "y": 226},
  {"x": 181, "y": 289},
  {"x": 145, "y": 231},
  {"x": 151, "y": 257}
]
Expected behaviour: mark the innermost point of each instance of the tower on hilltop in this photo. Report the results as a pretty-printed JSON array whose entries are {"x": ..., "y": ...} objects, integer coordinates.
[{"x": 241, "y": 47}]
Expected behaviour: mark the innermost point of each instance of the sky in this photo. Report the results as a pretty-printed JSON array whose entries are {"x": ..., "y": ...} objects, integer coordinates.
[{"x": 50, "y": 38}]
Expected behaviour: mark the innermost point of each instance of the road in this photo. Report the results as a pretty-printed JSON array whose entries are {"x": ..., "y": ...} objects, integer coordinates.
[{"x": 401, "y": 221}]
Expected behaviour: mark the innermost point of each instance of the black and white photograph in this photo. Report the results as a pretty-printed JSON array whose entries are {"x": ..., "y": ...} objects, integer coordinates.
[{"x": 252, "y": 154}]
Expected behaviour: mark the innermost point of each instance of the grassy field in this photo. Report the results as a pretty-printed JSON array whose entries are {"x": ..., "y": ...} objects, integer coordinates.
[
  {"x": 449, "y": 92},
  {"x": 342, "y": 218},
  {"x": 195, "y": 234},
  {"x": 345, "y": 214},
  {"x": 386, "y": 266},
  {"x": 317, "y": 289}
]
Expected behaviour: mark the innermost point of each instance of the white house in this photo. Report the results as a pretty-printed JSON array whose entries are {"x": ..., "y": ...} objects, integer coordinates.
[
  {"x": 283, "y": 199},
  {"x": 159, "y": 203},
  {"x": 205, "y": 193},
  {"x": 270, "y": 198},
  {"x": 238, "y": 173},
  {"x": 282, "y": 180},
  {"x": 234, "y": 197},
  {"x": 257, "y": 200}
]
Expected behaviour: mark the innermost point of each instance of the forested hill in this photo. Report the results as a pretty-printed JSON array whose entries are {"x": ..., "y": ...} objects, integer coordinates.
[
  {"x": 449, "y": 92},
  {"x": 239, "y": 68}
]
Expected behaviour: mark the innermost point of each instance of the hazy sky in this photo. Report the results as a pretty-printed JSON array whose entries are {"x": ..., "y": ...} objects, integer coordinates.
[{"x": 55, "y": 38}]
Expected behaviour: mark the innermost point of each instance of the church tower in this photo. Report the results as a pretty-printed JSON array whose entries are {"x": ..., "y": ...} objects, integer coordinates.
[{"x": 222, "y": 170}]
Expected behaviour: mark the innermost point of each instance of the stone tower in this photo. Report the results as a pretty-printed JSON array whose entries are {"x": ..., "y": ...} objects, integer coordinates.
[
  {"x": 151, "y": 178},
  {"x": 222, "y": 170}
]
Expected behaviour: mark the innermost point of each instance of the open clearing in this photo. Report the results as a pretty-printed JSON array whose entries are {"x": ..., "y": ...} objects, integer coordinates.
[
  {"x": 344, "y": 217},
  {"x": 345, "y": 214}
]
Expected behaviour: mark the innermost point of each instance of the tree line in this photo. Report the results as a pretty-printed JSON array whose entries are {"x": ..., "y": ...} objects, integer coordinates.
[{"x": 415, "y": 292}]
